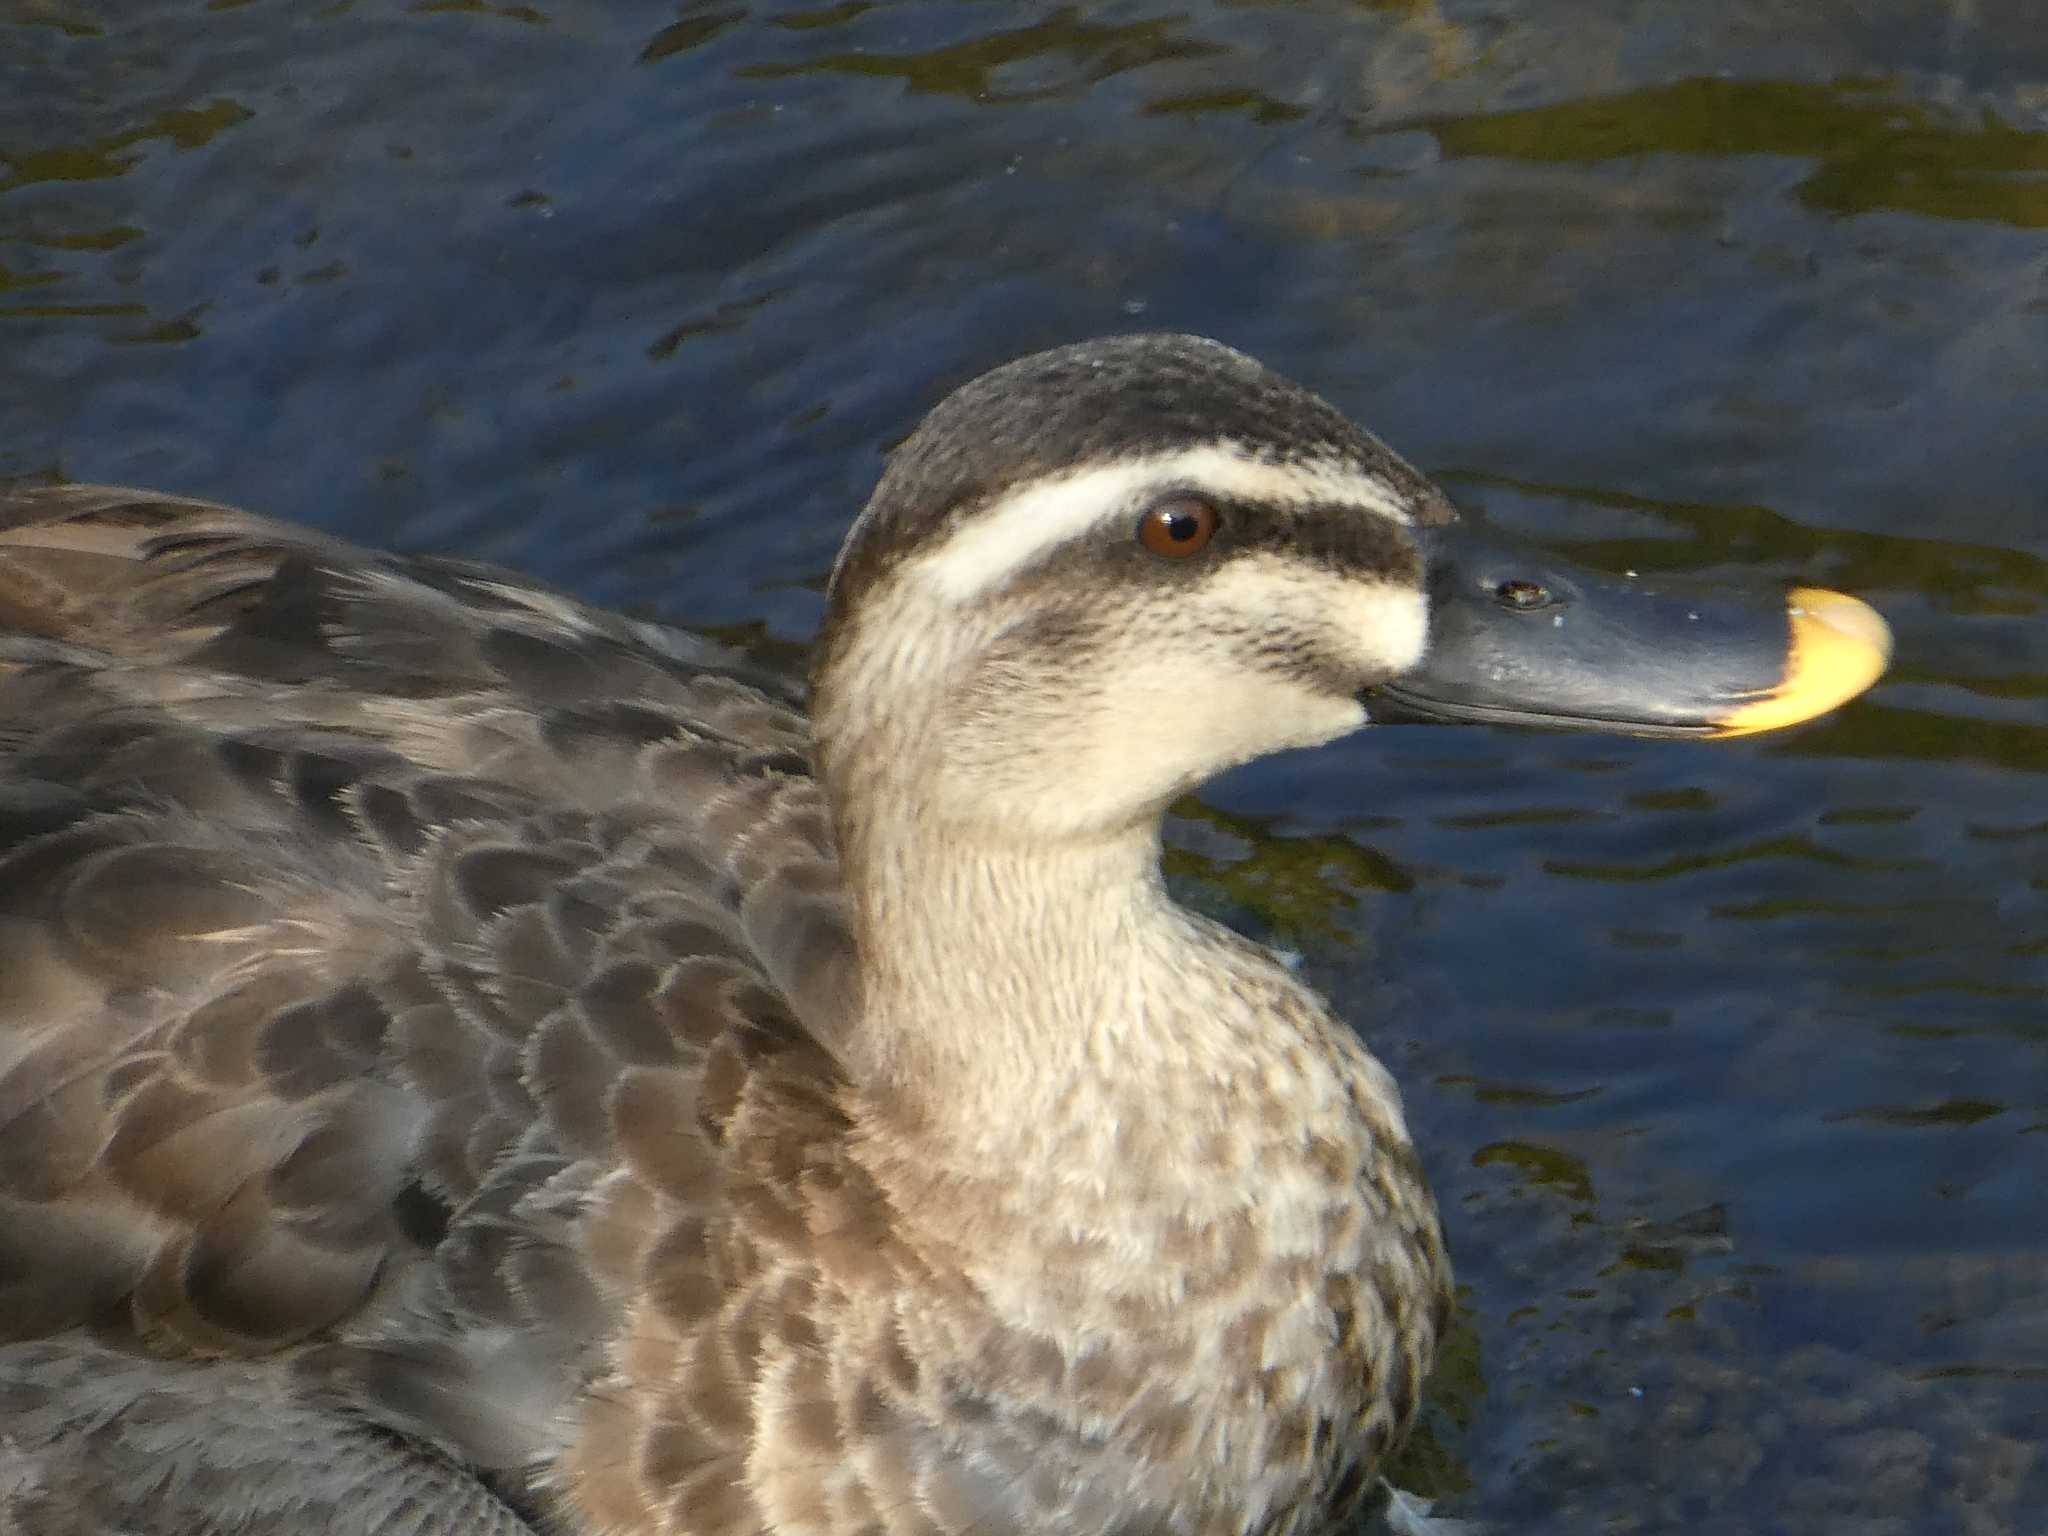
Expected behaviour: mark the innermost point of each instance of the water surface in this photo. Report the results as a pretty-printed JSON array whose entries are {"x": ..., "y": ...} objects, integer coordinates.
[{"x": 1730, "y": 1064}]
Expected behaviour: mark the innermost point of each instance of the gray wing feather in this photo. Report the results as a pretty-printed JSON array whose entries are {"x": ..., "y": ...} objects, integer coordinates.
[
  {"x": 361, "y": 921},
  {"x": 98, "y": 1443}
]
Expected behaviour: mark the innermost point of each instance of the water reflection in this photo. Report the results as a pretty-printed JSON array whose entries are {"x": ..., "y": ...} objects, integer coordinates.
[
  {"x": 1727, "y": 1063},
  {"x": 1876, "y": 150},
  {"x": 193, "y": 128},
  {"x": 1062, "y": 52}
]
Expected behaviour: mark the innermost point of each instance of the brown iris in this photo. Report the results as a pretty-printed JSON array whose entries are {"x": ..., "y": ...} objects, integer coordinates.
[{"x": 1178, "y": 528}]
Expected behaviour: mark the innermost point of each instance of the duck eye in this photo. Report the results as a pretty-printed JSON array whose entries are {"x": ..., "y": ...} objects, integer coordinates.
[
  {"x": 1522, "y": 594},
  {"x": 1178, "y": 528}
]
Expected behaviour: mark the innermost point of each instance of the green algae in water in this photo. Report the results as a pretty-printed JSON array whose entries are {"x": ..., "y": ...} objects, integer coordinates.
[{"x": 1875, "y": 154}]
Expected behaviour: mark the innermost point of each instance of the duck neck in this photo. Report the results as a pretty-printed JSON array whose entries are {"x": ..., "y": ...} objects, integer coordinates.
[
  {"x": 993, "y": 965},
  {"x": 1044, "y": 1005}
]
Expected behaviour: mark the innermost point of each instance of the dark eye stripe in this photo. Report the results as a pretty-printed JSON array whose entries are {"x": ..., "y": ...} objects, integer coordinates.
[{"x": 1338, "y": 537}]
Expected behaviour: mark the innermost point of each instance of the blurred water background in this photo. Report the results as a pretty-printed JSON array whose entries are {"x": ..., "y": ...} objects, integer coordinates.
[{"x": 1731, "y": 1063}]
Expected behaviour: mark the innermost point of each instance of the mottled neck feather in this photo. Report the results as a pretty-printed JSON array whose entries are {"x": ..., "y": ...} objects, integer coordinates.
[
  {"x": 1100, "y": 1108},
  {"x": 1046, "y": 1008},
  {"x": 1001, "y": 967}
]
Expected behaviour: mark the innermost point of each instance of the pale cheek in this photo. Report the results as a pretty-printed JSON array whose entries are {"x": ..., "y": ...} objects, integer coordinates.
[
  {"x": 1104, "y": 723},
  {"x": 1374, "y": 629},
  {"x": 1153, "y": 732},
  {"x": 1179, "y": 725},
  {"x": 1383, "y": 628},
  {"x": 1402, "y": 628}
]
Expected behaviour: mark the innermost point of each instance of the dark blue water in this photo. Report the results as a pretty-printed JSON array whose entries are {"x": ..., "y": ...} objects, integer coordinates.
[{"x": 1731, "y": 1064}]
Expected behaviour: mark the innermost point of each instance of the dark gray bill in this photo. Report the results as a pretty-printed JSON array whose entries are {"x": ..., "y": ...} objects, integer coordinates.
[{"x": 1519, "y": 636}]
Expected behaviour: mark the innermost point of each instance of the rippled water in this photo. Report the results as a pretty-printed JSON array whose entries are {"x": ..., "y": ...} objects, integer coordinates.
[{"x": 1731, "y": 1064}]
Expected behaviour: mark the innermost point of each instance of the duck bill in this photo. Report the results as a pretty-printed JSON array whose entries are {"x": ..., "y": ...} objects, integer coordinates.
[{"x": 1521, "y": 637}]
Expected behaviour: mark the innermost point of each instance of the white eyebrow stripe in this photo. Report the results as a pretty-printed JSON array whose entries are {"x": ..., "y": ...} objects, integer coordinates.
[{"x": 1020, "y": 531}]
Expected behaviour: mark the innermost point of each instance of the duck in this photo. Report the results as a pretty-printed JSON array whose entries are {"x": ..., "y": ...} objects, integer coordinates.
[{"x": 474, "y": 1062}]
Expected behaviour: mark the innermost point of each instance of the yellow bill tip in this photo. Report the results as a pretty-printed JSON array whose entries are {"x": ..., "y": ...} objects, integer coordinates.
[{"x": 1838, "y": 646}]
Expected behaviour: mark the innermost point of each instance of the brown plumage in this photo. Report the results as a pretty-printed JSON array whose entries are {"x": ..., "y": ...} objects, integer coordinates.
[{"x": 470, "y": 1062}]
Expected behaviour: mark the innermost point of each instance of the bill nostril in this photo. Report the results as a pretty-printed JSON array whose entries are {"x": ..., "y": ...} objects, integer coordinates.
[{"x": 1522, "y": 594}]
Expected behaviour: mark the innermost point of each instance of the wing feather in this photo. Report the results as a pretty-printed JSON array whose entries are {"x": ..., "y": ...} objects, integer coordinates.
[{"x": 394, "y": 958}]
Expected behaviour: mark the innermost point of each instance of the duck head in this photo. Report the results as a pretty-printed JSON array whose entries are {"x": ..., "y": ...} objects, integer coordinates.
[{"x": 1099, "y": 575}]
